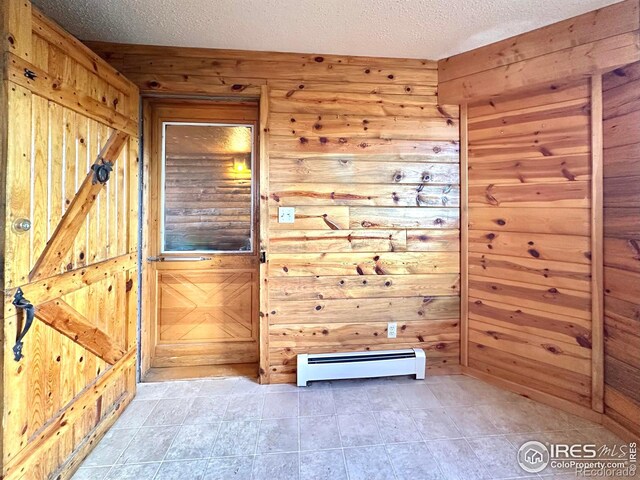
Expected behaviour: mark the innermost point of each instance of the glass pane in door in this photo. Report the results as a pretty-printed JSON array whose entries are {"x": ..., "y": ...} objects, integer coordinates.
[{"x": 207, "y": 187}]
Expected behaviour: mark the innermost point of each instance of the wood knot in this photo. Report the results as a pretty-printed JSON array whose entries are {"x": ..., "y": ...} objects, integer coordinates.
[
  {"x": 534, "y": 253},
  {"x": 303, "y": 140},
  {"x": 553, "y": 290},
  {"x": 319, "y": 59},
  {"x": 583, "y": 341},
  {"x": 501, "y": 222},
  {"x": 552, "y": 349}
]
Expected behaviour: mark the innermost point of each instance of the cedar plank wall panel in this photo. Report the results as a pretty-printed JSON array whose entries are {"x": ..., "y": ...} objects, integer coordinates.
[
  {"x": 597, "y": 41},
  {"x": 529, "y": 259},
  {"x": 61, "y": 397},
  {"x": 621, "y": 111},
  {"x": 363, "y": 150}
]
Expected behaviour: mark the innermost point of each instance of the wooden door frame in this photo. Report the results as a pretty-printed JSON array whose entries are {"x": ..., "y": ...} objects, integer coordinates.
[{"x": 148, "y": 228}]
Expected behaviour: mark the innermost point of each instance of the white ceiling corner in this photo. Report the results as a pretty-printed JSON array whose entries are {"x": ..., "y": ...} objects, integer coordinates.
[{"x": 428, "y": 29}]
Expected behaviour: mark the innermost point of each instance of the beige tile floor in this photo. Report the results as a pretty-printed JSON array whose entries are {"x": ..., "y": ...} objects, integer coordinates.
[{"x": 448, "y": 427}]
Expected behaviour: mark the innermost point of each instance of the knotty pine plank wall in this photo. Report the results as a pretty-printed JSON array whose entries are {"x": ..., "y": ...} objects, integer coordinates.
[
  {"x": 621, "y": 112},
  {"x": 370, "y": 159},
  {"x": 529, "y": 247}
]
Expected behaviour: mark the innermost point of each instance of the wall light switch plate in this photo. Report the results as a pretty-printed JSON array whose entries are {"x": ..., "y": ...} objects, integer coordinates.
[
  {"x": 392, "y": 330},
  {"x": 286, "y": 214}
]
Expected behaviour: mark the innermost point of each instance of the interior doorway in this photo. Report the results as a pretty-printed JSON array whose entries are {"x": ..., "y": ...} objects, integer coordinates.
[{"x": 203, "y": 248}]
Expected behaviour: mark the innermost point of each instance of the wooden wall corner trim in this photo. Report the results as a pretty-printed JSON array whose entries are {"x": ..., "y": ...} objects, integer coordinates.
[
  {"x": 597, "y": 247},
  {"x": 464, "y": 236},
  {"x": 263, "y": 286},
  {"x": 146, "y": 315},
  {"x": 536, "y": 395}
]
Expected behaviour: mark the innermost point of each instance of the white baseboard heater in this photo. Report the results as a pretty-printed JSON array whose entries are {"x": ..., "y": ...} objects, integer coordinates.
[{"x": 384, "y": 363}]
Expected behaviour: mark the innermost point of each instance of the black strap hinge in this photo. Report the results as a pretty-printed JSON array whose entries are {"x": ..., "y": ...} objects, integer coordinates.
[{"x": 101, "y": 172}]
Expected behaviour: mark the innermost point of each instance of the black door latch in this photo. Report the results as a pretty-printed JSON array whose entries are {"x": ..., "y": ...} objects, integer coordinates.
[{"x": 23, "y": 304}]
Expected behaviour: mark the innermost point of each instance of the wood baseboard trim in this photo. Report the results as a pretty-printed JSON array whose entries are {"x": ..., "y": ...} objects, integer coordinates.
[
  {"x": 620, "y": 430},
  {"x": 536, "y": 395}
]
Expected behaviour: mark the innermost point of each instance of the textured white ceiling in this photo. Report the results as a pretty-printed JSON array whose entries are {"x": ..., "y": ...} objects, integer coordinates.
[{"x": 428, "y": 29}]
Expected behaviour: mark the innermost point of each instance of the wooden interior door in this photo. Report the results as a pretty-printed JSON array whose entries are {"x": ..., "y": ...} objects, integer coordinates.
[
  {"x": 69, "y": 190},
  {"x": 204, "y": 258}
]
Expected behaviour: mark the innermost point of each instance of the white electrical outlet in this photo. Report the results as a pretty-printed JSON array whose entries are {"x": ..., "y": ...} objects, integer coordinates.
[
  {"x": 286, "y": 214},
  {"x": 392, "y": 330}
]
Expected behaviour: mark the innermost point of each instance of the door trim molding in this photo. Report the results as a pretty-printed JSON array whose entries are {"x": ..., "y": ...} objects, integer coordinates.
[{"x": 146, "y": 327}]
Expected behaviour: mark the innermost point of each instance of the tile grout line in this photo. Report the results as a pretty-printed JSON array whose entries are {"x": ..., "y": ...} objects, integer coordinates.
[
  {"x": 299, "y": 438},
  {"x": 255, "y": 450},
  {"x": 174, "y": 438}
]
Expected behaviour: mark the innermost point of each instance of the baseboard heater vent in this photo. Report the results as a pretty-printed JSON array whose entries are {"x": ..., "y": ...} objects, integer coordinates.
[{"x": 336, "y": 366}]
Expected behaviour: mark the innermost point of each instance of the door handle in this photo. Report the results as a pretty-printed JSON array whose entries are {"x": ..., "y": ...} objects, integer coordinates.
[
  {"x": 23, "y": 304},
  {"x": 178, "y": 259}
]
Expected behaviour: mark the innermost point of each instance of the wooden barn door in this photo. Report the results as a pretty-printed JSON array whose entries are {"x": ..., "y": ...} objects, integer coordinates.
[
  {"x": 203, "y": 246},
  {"x": 69, "y": 195}
]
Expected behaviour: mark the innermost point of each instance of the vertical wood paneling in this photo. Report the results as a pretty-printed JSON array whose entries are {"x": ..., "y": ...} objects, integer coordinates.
[{"x": 52, "y": 400}]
